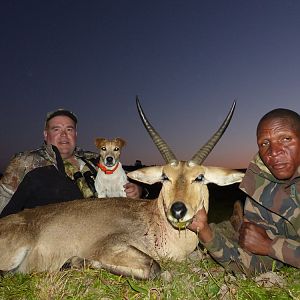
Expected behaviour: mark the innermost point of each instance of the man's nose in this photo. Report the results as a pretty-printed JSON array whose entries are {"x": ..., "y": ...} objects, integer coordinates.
[
  {"x": 63, "y": 132},
  {"x": 275, "y": 149}
]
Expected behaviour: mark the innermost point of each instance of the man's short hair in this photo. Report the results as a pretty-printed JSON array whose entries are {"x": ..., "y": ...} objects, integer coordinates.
[
  {"x": 282, "y": 113},
  {"x": 60, "y": 112}
]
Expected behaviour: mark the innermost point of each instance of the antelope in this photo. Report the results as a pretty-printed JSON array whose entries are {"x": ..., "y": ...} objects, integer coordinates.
[{"x": 121, "y": 235}]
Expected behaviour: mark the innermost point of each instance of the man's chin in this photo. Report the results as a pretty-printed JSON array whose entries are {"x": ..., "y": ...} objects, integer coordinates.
[
  {"x": 282, "y": 174},
  {"x": 65, "y": 153}
]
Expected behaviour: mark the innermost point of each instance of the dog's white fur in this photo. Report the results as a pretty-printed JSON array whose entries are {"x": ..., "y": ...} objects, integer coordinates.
[{"x": 110, "y": 185}]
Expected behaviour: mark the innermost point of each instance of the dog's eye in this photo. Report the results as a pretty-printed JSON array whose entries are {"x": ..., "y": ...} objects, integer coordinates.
[
  {"x": 103, "y": 148},
  {"x": 200, "y": 178},
  {"x": 116, "y": 149}
]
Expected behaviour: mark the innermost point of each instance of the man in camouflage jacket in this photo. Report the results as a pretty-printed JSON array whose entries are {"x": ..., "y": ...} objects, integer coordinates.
[
  {"x": 273, "y": 205},
  {"x": 270, "y": 232},
  {"x": 41, "y": 177}
]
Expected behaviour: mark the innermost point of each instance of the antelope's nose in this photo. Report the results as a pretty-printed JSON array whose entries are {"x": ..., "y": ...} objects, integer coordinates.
[{"x": 178, "y": 210}]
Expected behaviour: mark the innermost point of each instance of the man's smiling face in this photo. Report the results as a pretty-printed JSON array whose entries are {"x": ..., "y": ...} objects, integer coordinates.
[{"x": 61, "y": 132}]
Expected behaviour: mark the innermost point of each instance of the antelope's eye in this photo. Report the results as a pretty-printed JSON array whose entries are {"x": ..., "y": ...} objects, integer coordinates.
[
  {"x": 200, "y": 178},
  {"x": 116, "y": 149},
  {"x": 103, "y": 148},
  {"x": 164, "y": 177}
]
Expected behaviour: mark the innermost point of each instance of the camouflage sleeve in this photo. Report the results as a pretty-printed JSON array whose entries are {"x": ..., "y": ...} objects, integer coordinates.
[
  {"x": 224, "y": 248},
  {"x": 284, "y": 249},
  {"x": 221, "y": 247},
  {"x": 11, "y": 179}
]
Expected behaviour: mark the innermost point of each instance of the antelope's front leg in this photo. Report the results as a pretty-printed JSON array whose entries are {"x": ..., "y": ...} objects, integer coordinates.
[{"x": 118, "y": 257}]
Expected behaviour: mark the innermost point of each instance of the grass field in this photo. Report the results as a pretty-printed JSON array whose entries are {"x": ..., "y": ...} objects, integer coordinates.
[{"x": 196, "y": 278}]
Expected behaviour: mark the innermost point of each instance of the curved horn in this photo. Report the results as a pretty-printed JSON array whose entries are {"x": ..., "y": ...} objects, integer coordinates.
[
  {"x": 201, "y": 155},
  {"x": 162, "y": 146}
]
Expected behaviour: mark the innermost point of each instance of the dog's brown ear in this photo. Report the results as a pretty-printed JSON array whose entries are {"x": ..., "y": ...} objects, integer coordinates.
[
  {"x": 99, "y": 142},
  {"x": 120, "y": 142}
]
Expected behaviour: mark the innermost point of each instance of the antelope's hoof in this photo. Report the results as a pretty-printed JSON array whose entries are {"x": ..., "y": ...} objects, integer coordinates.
[
  {"x": 74, "y": 262},
  {"x": 155, "y": 270}
]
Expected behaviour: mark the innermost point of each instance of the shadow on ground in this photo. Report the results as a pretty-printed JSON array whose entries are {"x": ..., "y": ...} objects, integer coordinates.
[{"x": 221, "y": 200}]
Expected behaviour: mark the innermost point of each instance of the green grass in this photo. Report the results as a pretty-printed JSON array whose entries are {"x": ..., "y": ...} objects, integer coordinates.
[{"x": 192, "y": 279}]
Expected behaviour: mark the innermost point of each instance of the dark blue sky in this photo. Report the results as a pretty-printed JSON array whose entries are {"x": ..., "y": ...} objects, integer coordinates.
[{"x": 187, "y": 60}]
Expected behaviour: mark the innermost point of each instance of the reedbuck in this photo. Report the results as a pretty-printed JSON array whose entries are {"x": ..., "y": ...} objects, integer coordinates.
[{"x": 124, "y": 236}]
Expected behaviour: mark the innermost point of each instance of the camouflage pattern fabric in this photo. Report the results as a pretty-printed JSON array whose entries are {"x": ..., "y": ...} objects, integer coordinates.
[
  {"x": 81, "y": 183},
  {"x": 273, "y": 205},
  {"x": 24, "y": 162}
]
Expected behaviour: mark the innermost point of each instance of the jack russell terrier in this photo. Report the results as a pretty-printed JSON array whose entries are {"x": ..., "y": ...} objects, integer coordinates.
[{"x": 111, "y": 177}]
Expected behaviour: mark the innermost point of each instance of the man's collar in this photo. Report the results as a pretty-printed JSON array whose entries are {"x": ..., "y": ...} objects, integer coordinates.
[{"x": 49, "y": 150}]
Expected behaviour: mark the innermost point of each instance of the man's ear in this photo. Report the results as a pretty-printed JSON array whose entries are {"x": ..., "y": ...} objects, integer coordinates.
[{"x": 45, "y": 135}]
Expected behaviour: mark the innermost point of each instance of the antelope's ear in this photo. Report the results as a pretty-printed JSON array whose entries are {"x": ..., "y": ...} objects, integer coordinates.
[
  {"x": 222, "y": 176},
  {"x": 147, "y": 175}
]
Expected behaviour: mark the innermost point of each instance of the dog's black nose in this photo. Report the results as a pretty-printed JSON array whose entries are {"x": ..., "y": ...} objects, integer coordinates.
[{"x": 109, "y": 159}]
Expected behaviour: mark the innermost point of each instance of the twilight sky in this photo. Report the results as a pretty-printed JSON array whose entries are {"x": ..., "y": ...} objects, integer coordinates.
[{"x": 187, "y": 60}]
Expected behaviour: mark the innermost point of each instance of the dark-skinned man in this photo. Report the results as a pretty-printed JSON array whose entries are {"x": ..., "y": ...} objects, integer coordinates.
[{"x": 269, "y": 233}]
